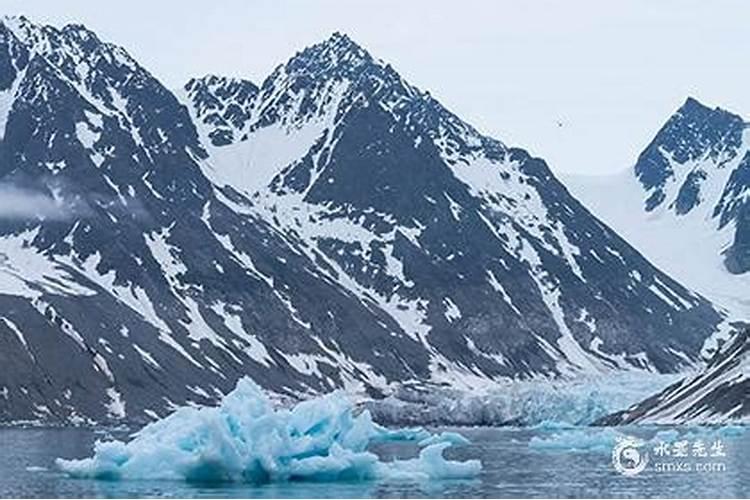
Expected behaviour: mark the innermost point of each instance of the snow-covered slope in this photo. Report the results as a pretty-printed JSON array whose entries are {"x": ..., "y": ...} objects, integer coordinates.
[
  {"x": 686, "y": 203},
  {"x": 719, "y": 394},
  {"x": 128, "y": 284},
  {"x": 471, "y": 246},
  {"x": 334, "y": 227}
]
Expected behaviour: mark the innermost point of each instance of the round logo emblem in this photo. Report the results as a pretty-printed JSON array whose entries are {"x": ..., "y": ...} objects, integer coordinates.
[{"x": 627, "y": 456}]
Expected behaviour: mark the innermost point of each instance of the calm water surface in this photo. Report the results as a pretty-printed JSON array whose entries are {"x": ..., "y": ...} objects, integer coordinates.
[{"x": 510, "y": 469}]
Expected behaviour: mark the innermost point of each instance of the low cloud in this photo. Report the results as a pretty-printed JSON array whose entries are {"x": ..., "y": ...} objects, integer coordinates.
[
  {"x": 17, "y": 203},
  {"x": 52, "y": 199}
]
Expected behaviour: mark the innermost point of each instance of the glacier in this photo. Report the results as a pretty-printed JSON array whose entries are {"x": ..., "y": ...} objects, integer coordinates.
[
  {"x": 530, "y": 403},
  {"x": 246, "y": 439}
]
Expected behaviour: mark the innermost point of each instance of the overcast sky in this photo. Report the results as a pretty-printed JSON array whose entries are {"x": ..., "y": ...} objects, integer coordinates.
[{"x": 583, "y": 83}]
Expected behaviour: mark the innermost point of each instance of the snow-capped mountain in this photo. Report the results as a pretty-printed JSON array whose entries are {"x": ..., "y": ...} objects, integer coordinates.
[
  {"x": 473, "y": 247},
  {"x": 686, "y": 203},
  {"x": 333, "y": 227},
  {"x": 718, "y": 394},
  {"x": 128, "y": 284}
]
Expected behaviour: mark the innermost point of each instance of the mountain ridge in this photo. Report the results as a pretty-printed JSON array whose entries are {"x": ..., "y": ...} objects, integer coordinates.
[
  {"x": 300, "y": 182},
  {"x": 689, "y": 188},
  {"x": 290, "y": 245},
  {"x": 715, "y": 395}
]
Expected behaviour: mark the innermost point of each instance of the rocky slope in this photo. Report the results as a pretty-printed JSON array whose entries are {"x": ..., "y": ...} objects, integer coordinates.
[
  {"x": 128, "y": 283},
  {"x": 334, "y": 227},
  {"x": 455, "y": 235},
  {"x": 718, "y": 394},
  {"x": 685, "y": 204}
]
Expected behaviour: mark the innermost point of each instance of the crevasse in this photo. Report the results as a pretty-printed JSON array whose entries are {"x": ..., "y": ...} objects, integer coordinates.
[{"x": 245, "y": 439}]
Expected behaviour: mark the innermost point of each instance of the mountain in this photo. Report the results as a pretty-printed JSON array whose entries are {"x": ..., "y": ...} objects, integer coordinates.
[
  {"x": 334, "y": 227},
  {"x": 718, "y": 394},
  {"x": 473, "y": 247},
  {"x": 689, "y": 189},
  {"x": 128, "y": 283}
]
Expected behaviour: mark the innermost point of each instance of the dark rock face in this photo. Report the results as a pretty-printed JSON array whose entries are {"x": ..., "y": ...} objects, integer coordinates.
[
  {"x": 689, "y": 194},
  {"x": 384, "y": 240},
  {"x": 223, "y": 104},
  {"x": 700, "y": 156},
  {"x": 694, "y": 132},
  {"x": 738, "y": 255},
  {"x": 455, "y": 234},
  {"x": 155, "y": 291},
  {"x": 719, "y": 394}
]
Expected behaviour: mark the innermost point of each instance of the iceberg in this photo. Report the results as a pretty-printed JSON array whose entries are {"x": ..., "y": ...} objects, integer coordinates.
[{"x": 245, "y": 439}]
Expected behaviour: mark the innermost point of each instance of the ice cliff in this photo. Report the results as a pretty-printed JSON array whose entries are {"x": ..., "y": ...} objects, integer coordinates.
[{"x": 523, "y": 403}]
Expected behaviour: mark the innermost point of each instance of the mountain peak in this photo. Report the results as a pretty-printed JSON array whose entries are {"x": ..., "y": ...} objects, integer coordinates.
[
  {"x": 337, "y": 54},
  {"x": 692, "y": 105},
  {"x": 79, "y": 31},
  {"x": 72, "y": 40},
  {"x": 24, "y": 29},
  {"x": 693, "y": 109},
  {"x": 342, "y": 44},
  {"x": 695, "y": 128},
  {"x": 692, "y": 101},
  {"x": 694, "y": 132},
  {"x": 16, "y": 20}
]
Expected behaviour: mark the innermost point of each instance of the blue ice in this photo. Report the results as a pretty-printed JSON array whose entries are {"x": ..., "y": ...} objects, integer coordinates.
[
  {"x": 245, "y": 439},
  {"x": 580, "y": 439}
]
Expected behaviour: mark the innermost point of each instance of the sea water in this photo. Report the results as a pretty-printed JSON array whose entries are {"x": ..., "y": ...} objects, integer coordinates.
[{"x": 544, "y": 461}]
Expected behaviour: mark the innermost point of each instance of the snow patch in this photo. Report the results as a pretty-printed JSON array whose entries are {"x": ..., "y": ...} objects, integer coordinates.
[{"x": 116, "y": 405}]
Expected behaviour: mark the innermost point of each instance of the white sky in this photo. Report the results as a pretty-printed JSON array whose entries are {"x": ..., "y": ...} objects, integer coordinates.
[{"x": 610, "y": 71}]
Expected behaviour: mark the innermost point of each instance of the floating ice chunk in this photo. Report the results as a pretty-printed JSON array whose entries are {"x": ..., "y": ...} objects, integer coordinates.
[
  {"x": 551, "y": 425},
  {"x": 35, "y": 468},
  {"x": 430, "y": 465},
  {"x": 701, "y": 432},
  {"x": 603, "y": 439},
  {"x": 246, "y": 439},
  {"x": 582, "y": 439},
  {"x": 731, "y": 430},
  {"x": 445, "y": 437}
]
